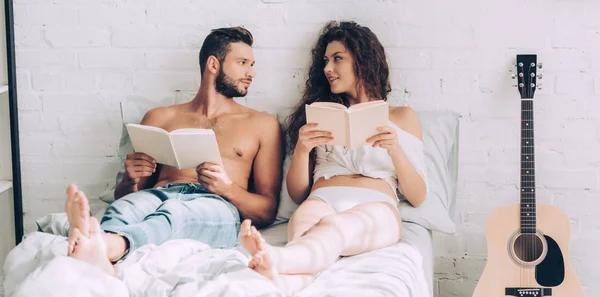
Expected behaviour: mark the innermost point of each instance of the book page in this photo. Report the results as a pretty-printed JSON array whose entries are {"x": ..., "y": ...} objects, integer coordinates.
[
  {"x": 364, "y": 123},
  {"x": 195, "y": 146},
  {"x": 332, "y": 120},
  {"x": 152, "y": 141},
  {"x": 332, "y": 105},
  {"x": 365, "y": 105}
]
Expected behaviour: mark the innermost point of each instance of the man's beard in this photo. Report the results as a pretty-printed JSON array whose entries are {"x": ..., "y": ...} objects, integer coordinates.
[{"x": 227, "y": 86}]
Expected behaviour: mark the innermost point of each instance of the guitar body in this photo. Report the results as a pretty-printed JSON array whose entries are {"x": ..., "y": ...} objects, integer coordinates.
[{"x": 502, "y": 271}]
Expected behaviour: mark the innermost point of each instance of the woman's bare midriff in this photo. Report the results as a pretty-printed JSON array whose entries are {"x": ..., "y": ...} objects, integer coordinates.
[{"x": 355, "y": 181}]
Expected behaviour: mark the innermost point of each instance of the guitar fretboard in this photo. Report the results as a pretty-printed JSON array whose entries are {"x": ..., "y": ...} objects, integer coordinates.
[{"x": 528, "y": 207}]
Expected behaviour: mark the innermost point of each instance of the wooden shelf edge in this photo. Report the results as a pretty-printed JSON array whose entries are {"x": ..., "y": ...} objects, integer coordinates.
[{"x": 5, "y": 185}]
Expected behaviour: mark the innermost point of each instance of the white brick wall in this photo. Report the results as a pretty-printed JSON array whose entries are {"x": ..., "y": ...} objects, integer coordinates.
[{"x": 77, "y": 59}]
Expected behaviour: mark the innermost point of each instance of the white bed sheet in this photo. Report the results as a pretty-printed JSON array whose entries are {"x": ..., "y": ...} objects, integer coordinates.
[{"x": 39, "y": 267}]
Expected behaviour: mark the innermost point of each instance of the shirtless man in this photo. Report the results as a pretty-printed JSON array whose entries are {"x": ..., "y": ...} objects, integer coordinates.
[{"x": 156, "y": 202}]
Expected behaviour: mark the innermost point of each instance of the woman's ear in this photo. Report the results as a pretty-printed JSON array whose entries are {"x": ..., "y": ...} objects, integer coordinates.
[{"x": 213, "y": 65}]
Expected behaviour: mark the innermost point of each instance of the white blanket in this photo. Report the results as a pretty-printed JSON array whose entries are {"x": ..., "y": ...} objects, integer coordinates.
[{"x": 39, "y": 267}]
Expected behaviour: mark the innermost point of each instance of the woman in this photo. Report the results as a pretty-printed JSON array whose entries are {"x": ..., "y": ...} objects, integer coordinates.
[{"x": 352, "y": 203}]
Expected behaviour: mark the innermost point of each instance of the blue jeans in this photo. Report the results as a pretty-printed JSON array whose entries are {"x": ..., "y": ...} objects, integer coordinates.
[{"x": 175, "y": 211}]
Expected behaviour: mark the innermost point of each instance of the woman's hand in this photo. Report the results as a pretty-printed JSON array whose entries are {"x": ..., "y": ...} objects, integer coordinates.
[
  {"x": 386, "y": 139},
  {"x": 309, "y": 137}
]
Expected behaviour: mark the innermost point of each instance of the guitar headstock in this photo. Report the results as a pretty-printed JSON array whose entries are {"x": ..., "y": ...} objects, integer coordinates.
[{"x": 527, "y": 75}]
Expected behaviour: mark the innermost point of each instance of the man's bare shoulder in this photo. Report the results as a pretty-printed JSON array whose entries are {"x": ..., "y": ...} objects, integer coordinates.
[
  {"x": 263, "y": 118},
  {"x": 159, "y": 115},
  {"x": 407, "y": 119}
]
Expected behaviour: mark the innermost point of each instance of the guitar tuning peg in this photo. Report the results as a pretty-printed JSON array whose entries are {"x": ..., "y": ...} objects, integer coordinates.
[
  {"x": 539, "y": 86},
  {"x": 521, "y": 85},
  {"x": 532, "y": 64},
  {"x": 532, "y": 85},
  {"x": 540, "y": 65},
  {"x": 539, "y": 76},
  {"x": 515, "y": 86},
  {"x": 520, "y": 64},
  {"x": 513, "y": 76}
]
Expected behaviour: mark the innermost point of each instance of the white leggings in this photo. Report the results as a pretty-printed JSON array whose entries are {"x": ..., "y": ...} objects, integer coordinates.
[{"x": 344, "y": 198}]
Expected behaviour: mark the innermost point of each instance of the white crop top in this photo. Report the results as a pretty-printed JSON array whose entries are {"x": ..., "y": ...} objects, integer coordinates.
[{"x": 369, "y": 161}]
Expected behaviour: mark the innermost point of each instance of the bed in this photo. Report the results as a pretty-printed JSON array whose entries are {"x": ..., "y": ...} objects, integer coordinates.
[{"x": 39, "y": 266}]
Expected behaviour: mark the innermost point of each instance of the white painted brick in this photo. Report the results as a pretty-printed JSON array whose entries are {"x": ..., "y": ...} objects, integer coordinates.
[
  {"x": 172, "y": 60},
  {"x": 180, "y": 16},
  {"x": 115, "y": 59},
  {"x": 102, "y": 127},
  {"x": 59, "y": 59},
  {"x": 436, "y": 36},
  {"x": 112, "y": 16},
  {"x": 53, "y": 81},
  {"x": 45, "y": 15},
  {"x": 116, "y": 81},
  {"x": 296, "y": 37},
  {"x": 78, "y": 104},
  {"x": 569, "y": 179},
  {"x": 37, "y": 145},
  {"x": 247, "y": 14},
  {"x": 80, "y": 81},
  {"x": 23, "y": 80},
  {"x": 29, "y": 100},
  {"x": 145, "y": 37},
  {"x": 575, "y": 84},
  {"x": 29, "y": 36},
  {"x": 299, "y": 13},
  {"x": 408, "y": 58},
  {"x": 457, "y": 287},
  {"x": 457, "y": 84},
  {"x": 35, "y": 121},
  {"x": 69, "y": 36},
  {"x": 566, "y": 59},
  {"x": 470, "y": 266},
  {"x": 269, "y": 59},
  {"x": 423, "y": 82},
  {"x": 166, "y": 81}
]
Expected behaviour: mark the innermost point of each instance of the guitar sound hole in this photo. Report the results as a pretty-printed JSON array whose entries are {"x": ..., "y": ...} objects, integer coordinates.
[{"x": 528, "y": 247}]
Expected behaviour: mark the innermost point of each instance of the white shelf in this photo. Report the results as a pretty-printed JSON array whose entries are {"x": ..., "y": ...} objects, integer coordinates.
[
  {"x": 3, "y": 89},
  {"x": 5, "y": 185}
]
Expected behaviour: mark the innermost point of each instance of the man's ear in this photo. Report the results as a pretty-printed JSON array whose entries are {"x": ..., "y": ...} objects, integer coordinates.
[{"x": 213, "y": 65}]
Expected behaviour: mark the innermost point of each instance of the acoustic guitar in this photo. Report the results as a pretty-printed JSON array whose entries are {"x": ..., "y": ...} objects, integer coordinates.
[{"x": 527, "y": 243}]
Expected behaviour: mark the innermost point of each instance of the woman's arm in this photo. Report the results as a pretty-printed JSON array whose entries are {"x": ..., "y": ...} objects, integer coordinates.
[
  {"x": 299, "y": 177},
  {"x": 410, "y": 181}
]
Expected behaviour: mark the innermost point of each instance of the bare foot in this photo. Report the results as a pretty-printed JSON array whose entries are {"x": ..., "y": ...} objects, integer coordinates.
[
  {"x": 77, "y": 208},
  {"x": 262, "y": 262},
  {"x": 90, "y": 249},
  {"x": 249, "y": 237},
  {"x": 262, "y": 253}
]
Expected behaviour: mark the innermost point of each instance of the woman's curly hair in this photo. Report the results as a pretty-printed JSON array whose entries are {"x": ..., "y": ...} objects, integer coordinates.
[{"x": 370, "y": 68}]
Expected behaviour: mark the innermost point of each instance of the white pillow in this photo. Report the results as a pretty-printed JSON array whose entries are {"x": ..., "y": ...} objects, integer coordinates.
[{"x": 440, "y": 139}]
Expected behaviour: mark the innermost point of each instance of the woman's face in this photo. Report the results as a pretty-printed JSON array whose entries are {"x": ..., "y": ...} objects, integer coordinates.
[{"x": 339, "y": 69}]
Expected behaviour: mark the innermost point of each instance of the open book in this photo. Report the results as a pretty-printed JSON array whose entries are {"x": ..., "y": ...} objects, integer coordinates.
[
  {"x": 182, "y": 148},
  {"x": 350, "y": 126}
]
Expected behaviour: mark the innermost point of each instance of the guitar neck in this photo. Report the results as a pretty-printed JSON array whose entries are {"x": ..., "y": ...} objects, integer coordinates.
[{"x": 528, "y": 207}]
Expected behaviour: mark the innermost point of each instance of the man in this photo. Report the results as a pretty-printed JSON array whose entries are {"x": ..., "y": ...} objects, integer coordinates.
[{"x": 157, "y": 202}]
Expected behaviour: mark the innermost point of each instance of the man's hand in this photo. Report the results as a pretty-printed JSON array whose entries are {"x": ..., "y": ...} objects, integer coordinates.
[
  {"x": 138, "y": 165},
  {"x": 214, "y": 178}
]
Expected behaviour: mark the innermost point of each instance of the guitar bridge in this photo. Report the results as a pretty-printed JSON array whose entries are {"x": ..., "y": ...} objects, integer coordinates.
[{"x": 528, "y": 292}]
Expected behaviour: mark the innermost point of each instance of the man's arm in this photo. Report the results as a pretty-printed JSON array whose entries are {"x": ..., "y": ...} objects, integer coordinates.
[
  {"x": 141, "y": 171},
  {"x": 261, "y": 207}
]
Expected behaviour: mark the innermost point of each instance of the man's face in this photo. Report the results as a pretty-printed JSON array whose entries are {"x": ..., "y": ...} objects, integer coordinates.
[{"x": 236, "y": 72}]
